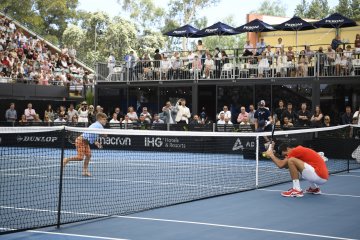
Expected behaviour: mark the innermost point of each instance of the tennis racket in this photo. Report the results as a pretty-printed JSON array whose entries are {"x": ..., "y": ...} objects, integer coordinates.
[{"x": 71, "y": 137}]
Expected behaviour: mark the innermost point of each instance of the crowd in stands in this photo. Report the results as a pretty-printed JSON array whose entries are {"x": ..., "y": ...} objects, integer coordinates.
[
  {"x": 28, "y": 59},
  {"x": 285, "y": 116},
  {"x": 256, "y": 61}
]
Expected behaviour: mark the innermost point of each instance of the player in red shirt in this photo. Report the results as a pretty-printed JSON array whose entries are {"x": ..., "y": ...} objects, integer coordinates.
[{"x": 305, "y": 161}]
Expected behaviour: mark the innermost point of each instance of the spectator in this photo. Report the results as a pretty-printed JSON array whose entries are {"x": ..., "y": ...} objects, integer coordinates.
[
  {"x": 218, "y": 58},
  {"x": 29, "y": 113},
  {"x": 227, "y": 121},
  {"x": 290, "y": 54},
  {"x": 37, "y": 118},
  {"x": 71, "y": 113},
  {"x": 304, "y": 116},
  {"x": 279, "y": 46},
  {"x": 269, "y": 54},
  {"x": 336, "y": 42},
  {"x": 221, "y": 119},
  {"x": 196, "y": 67},
  {"x": 11, "y": 114},
  {"x": 83, "y": 113},
  {"x": 60, "y": 119},
  {"x": 226, "y": 112},
  {"x": 75, "y": 119},
  {"x": 157, "y": 60},
  {"x": 183, "y": 112},
  {"x": 23, "y": 121},
  {"x": 165, "y": 66},
  {"x": 132, "y": 114},
  {"x": 262, "y": 117},
  {"x": 120, "y": 115},
  {"x": 290, "y": 114},
  {"x": 251, "y": 114},
  {"x": 327, "y": 122},
  {"x": 47, "y": 119},
  {"x": 263, "y": 65},
  {"x": 114, "y": 119},
  {"x": 243, "y": 117},
  {"x": 91, "y": 115},
  {"x": 356, "y": 117},
  {"x": 209, "y": 64},
  {"x": 279, "y": 110},
  {"x": 347, "y": 117},
  {"x": 203, "y": 115},
  {"x": 146, "y": 114},
  {"x": 169, "y": 112},
  {"x": 127, "y": 123},
  {"x": 157, "y": 119},
  {"x": 357, "y": 44},
  {"x": 287, "y": 124},
  {"x": 316, "y": 119},
  {"x": 111, "y": 63},
  {"x": 248, "y": 49},
  {"x": 303, "y": 61},
  {"x": 260, "y": 47},
  {"x": 99, "y": 109},
  {"x": 49, "y": 113},
  {"x": 142, "y": 123},
  {"x": 309, "y": 54},
  {"x": 196, "y": 120}
]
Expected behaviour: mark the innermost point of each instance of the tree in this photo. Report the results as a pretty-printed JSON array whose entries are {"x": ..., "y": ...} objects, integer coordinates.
[
  {"x": 272, "y": 8},
  {"x": 316, "y": 9},
  {"x": 355, "y": 6},
  {"x": 184, "y": 12},
  {"x": 344, "y": 8},
  {"x": 302, "y": 9},
  {"x": 48, "y": 18},
  {"x": 144, "y": 12}
]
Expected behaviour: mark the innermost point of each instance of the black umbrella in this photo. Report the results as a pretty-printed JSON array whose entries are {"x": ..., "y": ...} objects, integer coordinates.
[
  {"x": 335, "y": 20},
  {"x": 295, "y": 24},
  {"x": 255, "y": 25},
  {"x": 218, "y": 28},
  {"x": 184, "y": 31}
]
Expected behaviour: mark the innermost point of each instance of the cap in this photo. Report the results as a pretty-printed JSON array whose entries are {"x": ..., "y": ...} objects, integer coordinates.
[{"x": 84, "y": 103}]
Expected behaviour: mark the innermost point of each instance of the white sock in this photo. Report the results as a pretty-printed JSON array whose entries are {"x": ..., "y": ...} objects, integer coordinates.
[
  {"x": 313, "y": 185},
  {"x": 296, "y": 184}
]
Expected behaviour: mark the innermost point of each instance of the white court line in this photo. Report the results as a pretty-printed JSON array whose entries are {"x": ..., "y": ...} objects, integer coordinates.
[
  {"x": 326, "y": 194},
  {"x": 194, "y": 223},
  {"x": 347, "y": 175},
  {"x": 66, "y": 234}
]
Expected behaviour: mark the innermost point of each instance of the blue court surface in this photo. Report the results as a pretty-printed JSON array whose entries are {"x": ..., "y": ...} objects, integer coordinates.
[{"x": 253, "y": 214}]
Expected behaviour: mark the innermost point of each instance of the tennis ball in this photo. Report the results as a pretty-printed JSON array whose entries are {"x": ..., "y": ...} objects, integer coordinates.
[{"x": 265, "y": 155}]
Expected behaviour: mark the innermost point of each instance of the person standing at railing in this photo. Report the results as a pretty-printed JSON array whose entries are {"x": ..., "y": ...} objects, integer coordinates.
[
  {"x": 71, "y": 112},
  {"x": 11, "y": 114},
  {"x": 317, "y": 117},
  {"x": 176, "y": 67},
  {"x": 248, "y": 49},
  {"x": 338, "y": 60},
  {"x": 357, "y": 44},
  {"x": 209, "y": 64},
  {"x": 165, "y": 67},
  {"x": 279, "y": 46},
  {"x": 303, "y": 116},
  {"x": 302, "y": 67},
  {"x": 157, "y": 60},
  {"x": 347, "y": 117},
  {"x": 111, "y": 63},
  {"x": 83, "y": 113},
  {"x": 218, "y": 58},
  {"x": 196, "y": 67},
  {"x": 331, "y": 55},
  {"x": 169, "y": 112},
  {"x": 290, "y": 114},
  {"x": 269, "y": 54}
]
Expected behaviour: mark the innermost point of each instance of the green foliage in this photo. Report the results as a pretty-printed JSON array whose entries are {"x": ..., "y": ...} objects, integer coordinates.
[
  {"x": 48, "y": 18},
  {"x": 301, "y": 9},
  {"x": 272, "y": 8},
  {"x": 89, "y": 96},
  {"x": 316, "y": 9},
  {"x": 344, "y": 8},
  {"x": 355, "y": 6}
]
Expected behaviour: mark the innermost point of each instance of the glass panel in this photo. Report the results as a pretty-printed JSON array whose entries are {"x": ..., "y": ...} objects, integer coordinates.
[
  {"x": 140, "y": 97},
  {"x": 110, "y": 98}
]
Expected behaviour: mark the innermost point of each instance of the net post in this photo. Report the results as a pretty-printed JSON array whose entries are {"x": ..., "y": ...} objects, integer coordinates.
[
  {"x": 62, "y": 135},
  {"x": 257, "y": 163}
]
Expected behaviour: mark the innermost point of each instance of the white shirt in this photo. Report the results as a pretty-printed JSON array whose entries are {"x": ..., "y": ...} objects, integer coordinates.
[
  {"x": 249, "y": 47},
  {"x": 59, "y": 120},
  {"x": 221, "y": 121},
  {"x": 165, "y": 64},
  {"x": 227, "y": 114},
  {"x": 209, "y": 62},
  {"x": 183, "y": 114},
  {"x": 356, "y": 115},
  {"x": 114, "y": 121}
]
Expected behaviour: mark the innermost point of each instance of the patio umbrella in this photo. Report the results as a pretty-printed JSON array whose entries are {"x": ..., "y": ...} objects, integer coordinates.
[
  {"x": 184, "y": 31},
  {"x": 335, "y": 20},
  {"x": 295, "y": 24},
  {"x": 255, "y": 25},
  {"x": 219, "y": 29}
]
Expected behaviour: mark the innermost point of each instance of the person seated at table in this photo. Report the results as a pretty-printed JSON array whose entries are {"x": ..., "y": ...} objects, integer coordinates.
[
  {"x": 209, "y": 64},
  {"x": 303, "y": 61},
  {"x": 336, "y": 42},
  {"x": 279, "y": 46},
  {"x": 248, "y": 49},
  {"x": 269, "y": 54},
  {"x": 263, "y": 65},
  {"x": 260, "y": 47}
]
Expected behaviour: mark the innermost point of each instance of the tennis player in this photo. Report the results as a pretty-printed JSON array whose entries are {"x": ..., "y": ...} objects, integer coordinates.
[
  {"x": 305, "y": 161},
  {"x": 83, "y": 142}
]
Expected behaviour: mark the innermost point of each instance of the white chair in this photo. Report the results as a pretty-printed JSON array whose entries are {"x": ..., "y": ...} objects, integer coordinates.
[
  {"x": 226, "y": 71},
  {"x": 356, "y": 66}
]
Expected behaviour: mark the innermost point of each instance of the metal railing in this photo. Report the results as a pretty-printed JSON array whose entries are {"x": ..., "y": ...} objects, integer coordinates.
[{"x": 311, "y": 65}]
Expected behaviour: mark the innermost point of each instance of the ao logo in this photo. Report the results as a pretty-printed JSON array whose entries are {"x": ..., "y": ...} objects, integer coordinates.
[
  {"x": 238, "y": 145},
  {"x": 356, "y": 154}
]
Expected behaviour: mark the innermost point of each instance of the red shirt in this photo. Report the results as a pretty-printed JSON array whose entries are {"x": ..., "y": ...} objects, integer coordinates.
[{"x": 312, "y": 158}]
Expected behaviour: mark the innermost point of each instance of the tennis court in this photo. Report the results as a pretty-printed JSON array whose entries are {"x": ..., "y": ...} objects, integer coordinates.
[{"x": 150, "y": 195}]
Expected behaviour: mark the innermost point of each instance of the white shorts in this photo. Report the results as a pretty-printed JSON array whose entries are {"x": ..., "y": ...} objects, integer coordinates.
[{"x": 310, "y": 175}]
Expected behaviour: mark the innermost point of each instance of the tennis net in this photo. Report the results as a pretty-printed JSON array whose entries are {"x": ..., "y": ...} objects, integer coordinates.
[{"x": 139, "y": 170}]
